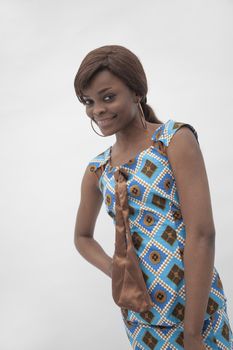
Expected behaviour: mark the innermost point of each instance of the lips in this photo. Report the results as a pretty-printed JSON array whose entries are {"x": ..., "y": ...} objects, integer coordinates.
[{"x": 105, "y": 121}]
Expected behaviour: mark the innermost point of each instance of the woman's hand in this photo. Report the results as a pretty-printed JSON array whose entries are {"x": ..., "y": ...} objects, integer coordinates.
[{"x": 194, "y": 342}]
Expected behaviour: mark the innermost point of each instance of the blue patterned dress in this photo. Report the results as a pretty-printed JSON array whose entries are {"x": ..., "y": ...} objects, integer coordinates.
[{"x": 158, "y": 234}]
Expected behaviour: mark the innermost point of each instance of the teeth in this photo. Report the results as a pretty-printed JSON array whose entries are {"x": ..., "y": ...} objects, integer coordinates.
[{"x": 105, "y": 121}]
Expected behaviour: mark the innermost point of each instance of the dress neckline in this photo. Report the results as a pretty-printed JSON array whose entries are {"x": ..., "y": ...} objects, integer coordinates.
[{"x": 137, "y": 155}]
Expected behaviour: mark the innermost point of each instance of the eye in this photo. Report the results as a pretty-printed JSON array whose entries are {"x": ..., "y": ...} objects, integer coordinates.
[
  {"x": 111, "y": 96},
  {"x": 87, "y": 102}
]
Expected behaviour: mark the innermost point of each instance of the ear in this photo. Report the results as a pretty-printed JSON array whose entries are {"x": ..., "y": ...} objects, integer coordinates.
[{"x": 137, "y": 98}]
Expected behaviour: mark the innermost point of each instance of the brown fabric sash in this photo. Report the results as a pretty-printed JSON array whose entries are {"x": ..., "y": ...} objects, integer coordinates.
[{"x": 128, "y": 285}]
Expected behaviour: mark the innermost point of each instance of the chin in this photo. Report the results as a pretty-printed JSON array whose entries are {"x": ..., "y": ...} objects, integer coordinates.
[{"x": 107, "y": 132}]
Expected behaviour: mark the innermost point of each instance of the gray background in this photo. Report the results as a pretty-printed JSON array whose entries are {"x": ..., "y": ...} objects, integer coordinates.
[{"x": 51, "y": 298}]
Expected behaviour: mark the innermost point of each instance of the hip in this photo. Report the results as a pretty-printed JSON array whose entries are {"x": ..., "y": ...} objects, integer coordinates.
[{"x": 216, "y": 332}]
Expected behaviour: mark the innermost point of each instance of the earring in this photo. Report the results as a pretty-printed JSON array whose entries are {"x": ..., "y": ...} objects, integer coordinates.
[
  {"x": 142, "y": 116},
  {"x": 94, "y": 129}
]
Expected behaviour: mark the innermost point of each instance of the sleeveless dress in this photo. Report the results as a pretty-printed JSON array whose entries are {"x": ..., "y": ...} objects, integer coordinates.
[{"x": 158, "y": 234}]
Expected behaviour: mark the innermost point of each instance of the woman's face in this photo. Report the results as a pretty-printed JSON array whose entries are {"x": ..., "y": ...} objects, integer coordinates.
[{"x": 111, "y": 104}]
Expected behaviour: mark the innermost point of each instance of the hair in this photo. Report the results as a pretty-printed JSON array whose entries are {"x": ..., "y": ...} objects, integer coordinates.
[{"x": 121, "y": 62}]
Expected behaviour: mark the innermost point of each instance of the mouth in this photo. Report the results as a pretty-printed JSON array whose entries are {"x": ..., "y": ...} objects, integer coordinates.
[{"x": 106, "y": 121}]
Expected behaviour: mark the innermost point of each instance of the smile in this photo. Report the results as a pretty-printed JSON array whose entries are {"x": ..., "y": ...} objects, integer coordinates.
[{"x": 106, "y": 121}]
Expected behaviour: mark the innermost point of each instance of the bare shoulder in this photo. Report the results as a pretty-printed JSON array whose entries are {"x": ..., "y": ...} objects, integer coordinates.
[
  {"x": 184, "y": 152},
  {"x": 187, "y": 162},
  {"x": 184, "y": 137},
  {"x": 90, "y": 180}
]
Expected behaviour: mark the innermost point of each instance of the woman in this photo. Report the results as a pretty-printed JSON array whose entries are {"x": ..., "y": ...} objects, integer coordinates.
[{"x": 154, "y": 185}]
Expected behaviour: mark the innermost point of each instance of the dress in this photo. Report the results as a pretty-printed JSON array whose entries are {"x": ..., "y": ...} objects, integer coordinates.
[{"x": 158, "y": 233}]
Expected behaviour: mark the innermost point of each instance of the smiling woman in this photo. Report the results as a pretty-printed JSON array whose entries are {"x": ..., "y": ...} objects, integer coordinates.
[
  {"x": 108, "y": 98},
  {"x": 110, "y": 107},
  {"x": 122, "y": 76},
  {"x": 154, "y": 186}
]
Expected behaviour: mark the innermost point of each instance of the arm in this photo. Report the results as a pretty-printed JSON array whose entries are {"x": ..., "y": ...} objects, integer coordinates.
[
  {"x": 188, "y": 166},
  {"x": 89, "y": 207}
]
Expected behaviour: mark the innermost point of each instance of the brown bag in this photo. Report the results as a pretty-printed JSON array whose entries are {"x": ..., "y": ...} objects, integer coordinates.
[{"x": 128, "y": 285}]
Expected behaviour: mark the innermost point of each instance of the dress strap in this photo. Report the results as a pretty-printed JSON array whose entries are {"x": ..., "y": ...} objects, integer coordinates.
[{"x": 98, "y": 163}]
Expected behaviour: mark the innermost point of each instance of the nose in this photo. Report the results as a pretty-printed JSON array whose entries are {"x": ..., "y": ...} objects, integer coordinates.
[{"x": 98, "y": 109}]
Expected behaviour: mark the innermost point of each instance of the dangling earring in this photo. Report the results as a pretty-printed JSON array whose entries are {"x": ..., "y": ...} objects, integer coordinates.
[
  {"x": 94, "y": 129},
  {"x": 142, "y": 116}
]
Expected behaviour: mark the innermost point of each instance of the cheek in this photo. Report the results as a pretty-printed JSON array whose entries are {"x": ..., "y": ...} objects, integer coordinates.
[
  {"x": 124, "y": 107},
  {"x": 88, "y": 112}
]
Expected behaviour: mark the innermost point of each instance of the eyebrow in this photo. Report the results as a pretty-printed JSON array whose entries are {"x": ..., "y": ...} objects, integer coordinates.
[{"x": 107, "y": 88}]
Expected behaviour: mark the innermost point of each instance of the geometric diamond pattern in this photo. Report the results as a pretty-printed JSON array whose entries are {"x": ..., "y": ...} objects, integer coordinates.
[
  {"x": 157, "y": 229},
  {"x": 216, "y": 332}
]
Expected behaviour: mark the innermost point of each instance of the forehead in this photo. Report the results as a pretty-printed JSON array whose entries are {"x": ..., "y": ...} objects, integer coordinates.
[{"x": 102, "y": 80}]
